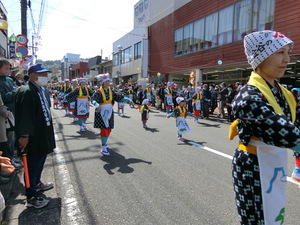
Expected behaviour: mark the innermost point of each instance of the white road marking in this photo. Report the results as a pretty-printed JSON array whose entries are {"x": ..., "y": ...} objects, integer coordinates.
[
  {"x": 229, "y": 157},
  {"x": 70, "y": 204}
]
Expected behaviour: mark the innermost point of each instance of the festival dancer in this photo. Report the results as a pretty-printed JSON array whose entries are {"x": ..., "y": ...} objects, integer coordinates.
[
  {"x": 121, "y": 104},
  {"x": 80, "y": 96},
  {"x": 180, "y": 113},
  {"x": 148, "y": 93},
  {"x": 168, "y": 92},
  {"x": 55, "y": 99},
  {"x": 267, "y": 124},
  {"x": 130, "y": 93},
  {"x": 144, "y": 110},
  {"x": 103, "y": 100},
  {"x": 197, "y": 104},
  {"x": 64, "y": 89},
  {"x": 72, "y": 104}
]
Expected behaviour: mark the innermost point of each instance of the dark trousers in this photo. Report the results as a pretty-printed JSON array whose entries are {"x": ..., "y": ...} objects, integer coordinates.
[
  {"x": 205, "y": 109},
  {"x": 190, "y": 106},
  {"x": 35, "y": 168}
]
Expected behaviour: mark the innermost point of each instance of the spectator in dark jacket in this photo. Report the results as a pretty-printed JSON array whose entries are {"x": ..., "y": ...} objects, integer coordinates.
[{"x": 206, "y": 101}]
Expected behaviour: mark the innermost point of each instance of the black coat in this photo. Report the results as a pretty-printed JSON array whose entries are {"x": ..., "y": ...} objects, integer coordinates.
[{"x": 30, "y": 120}]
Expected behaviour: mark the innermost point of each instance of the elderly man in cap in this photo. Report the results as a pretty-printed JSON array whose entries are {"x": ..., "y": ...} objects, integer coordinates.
[{"x": 34, "y": 131}]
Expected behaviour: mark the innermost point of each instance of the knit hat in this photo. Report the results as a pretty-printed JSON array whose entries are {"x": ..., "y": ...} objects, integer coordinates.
[
  {"x": 260, "y": 45},
  {"x": 179, "y": 99}
]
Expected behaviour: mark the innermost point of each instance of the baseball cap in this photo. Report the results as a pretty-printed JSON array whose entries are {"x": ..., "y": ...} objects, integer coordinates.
[{"x": 37, "y": 68}]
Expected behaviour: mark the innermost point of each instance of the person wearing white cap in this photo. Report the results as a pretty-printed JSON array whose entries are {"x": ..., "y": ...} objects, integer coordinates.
[
  {"x": 144, "y": 110},
  {"x": 63, "y": 92},
  {"x": 81, "y": 96},
  {"x": 169, "y": 93},
  {"x": 197, "y": 97},
  {"x": 180, "y": 113},
  {"x": 266, "y": 126},
  {"x": 103, "y": 100},
  {"x": 73, "y": 86},
  {"x": 148, "y": 93}
]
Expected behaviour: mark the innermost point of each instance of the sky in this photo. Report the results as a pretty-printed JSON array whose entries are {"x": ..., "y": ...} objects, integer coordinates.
[{"x": 84, "y": 27}]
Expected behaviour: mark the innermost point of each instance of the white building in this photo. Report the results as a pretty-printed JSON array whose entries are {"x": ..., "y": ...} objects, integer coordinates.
[{"x": 130, "y": 52}]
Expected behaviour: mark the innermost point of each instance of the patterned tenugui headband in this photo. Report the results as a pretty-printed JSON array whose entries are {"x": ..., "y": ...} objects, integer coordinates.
[{"x": 260, "y": 45}]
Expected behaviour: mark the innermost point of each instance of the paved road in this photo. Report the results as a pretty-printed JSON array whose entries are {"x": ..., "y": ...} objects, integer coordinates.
[{"x": 150, "y": 177}]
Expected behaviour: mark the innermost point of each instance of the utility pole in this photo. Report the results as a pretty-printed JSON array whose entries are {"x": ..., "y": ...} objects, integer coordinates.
[{"x": 24, "y": 17}]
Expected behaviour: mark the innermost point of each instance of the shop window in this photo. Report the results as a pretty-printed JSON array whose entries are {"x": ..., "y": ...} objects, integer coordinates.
[
  {"x": 178, "y": 41},
  {"x": 225, "y": 25},
  {"x": 242, "y": 19},
  {"x": 265, "y": 15},
  {"x": 198, "y": 35},
  {"x": 211, "y": 31},
  {"x": 138, "y": 50},
  {"x": 187, "y": 38}
]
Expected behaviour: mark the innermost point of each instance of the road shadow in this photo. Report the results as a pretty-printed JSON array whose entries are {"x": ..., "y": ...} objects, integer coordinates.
[
  {"x": 152, "y": 130},
  {"x": 191, "y": 142},
  {"x": 116, "y": 160},
  {"x": 84, "y": 134},
  {"x": 126, "y": 117},
  {"x": 209, "y": 125}
]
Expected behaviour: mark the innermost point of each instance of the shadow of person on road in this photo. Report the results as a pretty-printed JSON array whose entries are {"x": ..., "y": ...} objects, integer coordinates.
[
  {"x": 116, "y": 160},
  {"x": 152, "y": 130},
  {"x": 191, "y": 143}
]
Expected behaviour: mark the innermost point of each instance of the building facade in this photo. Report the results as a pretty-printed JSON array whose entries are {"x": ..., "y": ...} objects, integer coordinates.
[
  {"x": 207, "y": 39},
  {"x": 131, "y": 52},
  {"x": 3, "y": 32}
]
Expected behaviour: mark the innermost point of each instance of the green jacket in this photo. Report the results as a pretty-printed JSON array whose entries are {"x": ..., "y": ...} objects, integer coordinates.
[
  {"x": 30, "y": 120},
  {"x": 8, "y": 90}
]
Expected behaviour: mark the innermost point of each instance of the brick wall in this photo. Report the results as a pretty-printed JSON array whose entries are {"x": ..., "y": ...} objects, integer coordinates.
[{"x": 161, "y": 40}]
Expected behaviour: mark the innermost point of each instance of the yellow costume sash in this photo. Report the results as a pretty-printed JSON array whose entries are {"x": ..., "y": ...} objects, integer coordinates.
[
  {"x": 110, "y": 98},
  {"x": 257, "y": 81},
  {"x": 182, "y": 111},
  {"x": 80, "y": 95},
  {"x": 198, "y": 97}
]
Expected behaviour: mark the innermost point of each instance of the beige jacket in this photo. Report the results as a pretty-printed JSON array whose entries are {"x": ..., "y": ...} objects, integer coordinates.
[{"x": 3, "y": 116}]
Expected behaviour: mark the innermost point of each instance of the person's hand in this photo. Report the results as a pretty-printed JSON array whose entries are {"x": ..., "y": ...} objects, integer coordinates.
[
  {"x": 97, "y": 109},
  {"x": 9, "y": 114},
  {"x": 168, "y": 116},
  {"x": 23, "y": 142},
  {"x": 5, "y": 160},
  {"x": 7, "y": 168}
]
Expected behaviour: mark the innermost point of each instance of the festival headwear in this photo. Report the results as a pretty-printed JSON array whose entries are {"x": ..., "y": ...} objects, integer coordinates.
[
  {"x": 37, "y": 68},
  {"x": 198, "y": 88},
  {"x": 103, "y": 77},
  {"x": 260, "y": 45},
  {"x": 145, "y": 102},
  {"x": 81, "y": 79},
  {"x": 179, "y": 99},
  {"x": 67, "y": 80},
  {"x": 74, "y": 80},
  {"x": 169, "y": 84}
]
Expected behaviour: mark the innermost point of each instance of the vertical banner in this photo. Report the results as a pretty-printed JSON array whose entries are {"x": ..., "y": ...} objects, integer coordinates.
[{"x": 12, "y": 50}]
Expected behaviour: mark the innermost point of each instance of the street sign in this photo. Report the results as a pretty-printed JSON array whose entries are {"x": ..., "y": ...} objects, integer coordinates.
[
  {"x": 23, "y": 50},
  {"x": 22, "y": 39}
]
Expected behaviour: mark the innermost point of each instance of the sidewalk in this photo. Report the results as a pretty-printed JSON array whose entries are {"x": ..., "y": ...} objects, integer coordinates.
[{"x": 14, "y": 194}]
